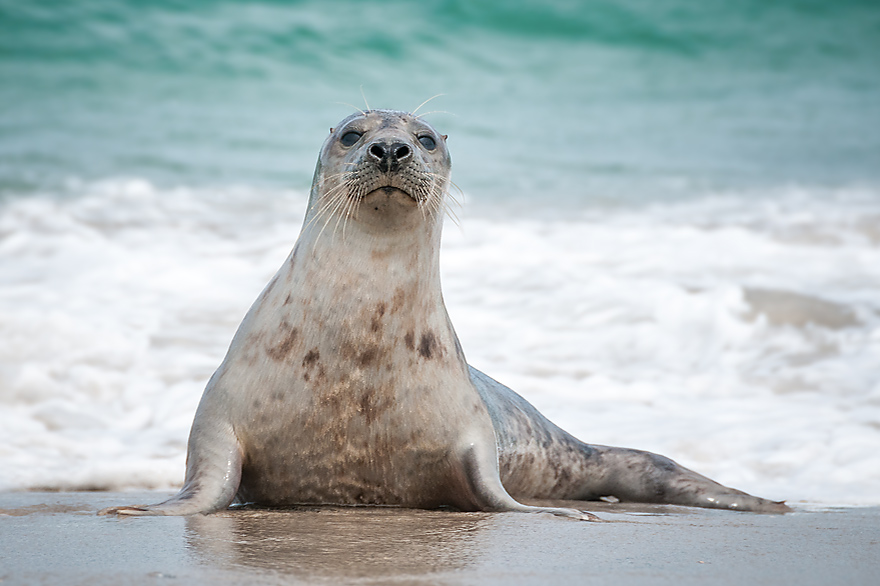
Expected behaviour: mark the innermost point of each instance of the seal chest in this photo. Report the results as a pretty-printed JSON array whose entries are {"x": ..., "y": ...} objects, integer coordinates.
[{"x": 357, "y": 383}]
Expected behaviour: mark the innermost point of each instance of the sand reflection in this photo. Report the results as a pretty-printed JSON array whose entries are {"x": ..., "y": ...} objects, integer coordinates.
[{"x": 339, "y": 541}]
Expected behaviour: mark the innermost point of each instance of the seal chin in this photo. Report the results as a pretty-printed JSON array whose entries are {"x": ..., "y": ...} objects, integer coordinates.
[{"x": 389, "y": 208}]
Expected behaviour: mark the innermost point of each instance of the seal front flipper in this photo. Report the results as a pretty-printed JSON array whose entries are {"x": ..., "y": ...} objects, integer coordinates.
[
  {"x": 213, "y": 473},
  {"x": 483, "y": 491}
]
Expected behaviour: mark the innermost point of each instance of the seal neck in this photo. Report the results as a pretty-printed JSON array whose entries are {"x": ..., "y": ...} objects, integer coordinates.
[
  {"x": 357, "y": 263},
  {"x": 364, "y": 289}
]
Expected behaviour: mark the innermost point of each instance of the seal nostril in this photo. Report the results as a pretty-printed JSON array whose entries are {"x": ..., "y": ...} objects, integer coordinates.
[
  {"x": 402, "y": 152},
  {"x": 377, "y": 151}
]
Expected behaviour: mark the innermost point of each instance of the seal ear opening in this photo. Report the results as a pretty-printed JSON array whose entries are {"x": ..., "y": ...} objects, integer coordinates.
[
  {"x": 331, "y": 130},
  {"x": 444, "y": 136}
]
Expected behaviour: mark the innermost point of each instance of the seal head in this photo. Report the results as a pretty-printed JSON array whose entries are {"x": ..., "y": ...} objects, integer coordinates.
[{"x": 392, "y": 161}]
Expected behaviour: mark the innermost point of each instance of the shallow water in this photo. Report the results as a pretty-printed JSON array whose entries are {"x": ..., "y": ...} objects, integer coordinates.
[
  {"x": 51, "y": 538},
  {"x": 670, "y": 233}
]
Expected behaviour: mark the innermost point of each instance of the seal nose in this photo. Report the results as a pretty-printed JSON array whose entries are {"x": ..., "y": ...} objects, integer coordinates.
[{"x": 388, "y": 157}]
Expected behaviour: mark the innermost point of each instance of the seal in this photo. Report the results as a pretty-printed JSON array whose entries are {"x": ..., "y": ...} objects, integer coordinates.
[{"x": 346, "y": 383}]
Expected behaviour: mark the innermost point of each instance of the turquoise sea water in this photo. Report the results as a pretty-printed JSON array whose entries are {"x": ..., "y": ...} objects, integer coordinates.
[{"x": 579, "y": 100}]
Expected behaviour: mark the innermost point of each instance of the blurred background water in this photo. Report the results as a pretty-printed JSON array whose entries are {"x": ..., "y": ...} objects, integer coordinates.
[
  {"x": 670, "y": 236},
  {"x": 622, "y": 100}
]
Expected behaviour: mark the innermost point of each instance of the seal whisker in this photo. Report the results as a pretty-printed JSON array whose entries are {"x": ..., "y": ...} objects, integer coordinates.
[
  {"x": 443, "y": 194},
  {"x": 450, "y": 213},
  {"x": 330, "y": 199},
  {"x": 335, "y": 198},
  {"x": 435, "y": 195},
  {"x": 419, "y": 107},
  {"x": 434, "y": 112},
  {"x": 323, "y": 180},
  {"x": 353, "y": 212},
  {"x": 442, "y": 208},
  {"x": 331, "y": 194},
  {"x": 318, "y": 214},
  {"x": 341, "y": 209},
  {"x": 326, "y": 216},
  {"x": 364, "y": 96},
  {"x": 355, "y": 195},
  {"x": 426, "y": 207},
  {"x": 450, "y": 203},
  {"x": 353, "y": 106},
  {"x": 460, "y": 191},
  {"x": 346, "y": 212},
  {"x": 338, "y": 202}
]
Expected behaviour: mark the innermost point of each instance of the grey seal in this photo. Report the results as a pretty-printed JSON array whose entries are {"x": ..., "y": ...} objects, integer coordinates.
[{"x": 346, "y": 383}]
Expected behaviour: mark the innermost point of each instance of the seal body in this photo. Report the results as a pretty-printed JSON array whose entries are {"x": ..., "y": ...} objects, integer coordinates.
[{"x": 346, "y": 383}]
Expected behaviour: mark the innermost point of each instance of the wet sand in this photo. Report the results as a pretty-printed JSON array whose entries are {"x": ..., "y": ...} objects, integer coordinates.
[{"x": 53, "y": 538}]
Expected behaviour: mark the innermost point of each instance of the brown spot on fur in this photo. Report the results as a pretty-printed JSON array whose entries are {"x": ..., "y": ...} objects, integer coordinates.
[
  {"x": 409, "y": 340},
  {"x": 428, "y": 345},
  {"x": 370, "y": 405},
  {"x": 311, "y": 358},
  {"x": 367, "y": 356},
  {"x": 399, "y": 298},
  {"x": 280, "y": 352},
  {"x": 334, "y": 401},
  {"x": 347, "y": 350},
  {"x": 376, "y": 322},
  {"x": 563, "y": 479},
  {"x": 288, "y": 299}
]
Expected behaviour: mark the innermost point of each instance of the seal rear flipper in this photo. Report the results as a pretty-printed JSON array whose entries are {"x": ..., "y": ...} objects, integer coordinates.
[
  {"x": 645, "y": 477},
  {"x": 538, "y": 459},
  {"x": 213, "y": 474}
]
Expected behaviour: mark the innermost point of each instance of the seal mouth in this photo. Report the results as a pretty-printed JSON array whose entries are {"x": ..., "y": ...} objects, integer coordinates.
[
  {"x": 390, "y": 189},
  {"x": 390, "y": 192}
]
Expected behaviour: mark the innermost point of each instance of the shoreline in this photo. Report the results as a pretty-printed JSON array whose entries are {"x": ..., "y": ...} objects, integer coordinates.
[{"x": 52, "y": 537}]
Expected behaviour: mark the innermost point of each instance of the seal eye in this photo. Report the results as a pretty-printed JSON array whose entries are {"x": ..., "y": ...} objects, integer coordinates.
[
  {"x": 428, "y": 142},
  {"x": 349, "y": 138}
]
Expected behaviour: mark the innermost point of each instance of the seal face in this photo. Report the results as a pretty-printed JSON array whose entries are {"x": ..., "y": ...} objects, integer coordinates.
[
  {"x": 379, "y": 153},
  {"x": 346, "y": 384}
]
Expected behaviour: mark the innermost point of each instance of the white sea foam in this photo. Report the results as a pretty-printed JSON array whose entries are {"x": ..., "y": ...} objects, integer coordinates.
[{"x": 738, "y": 335}]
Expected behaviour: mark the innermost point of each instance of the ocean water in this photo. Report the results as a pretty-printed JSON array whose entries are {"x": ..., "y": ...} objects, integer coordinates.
[{"x": 668, "y": 237}]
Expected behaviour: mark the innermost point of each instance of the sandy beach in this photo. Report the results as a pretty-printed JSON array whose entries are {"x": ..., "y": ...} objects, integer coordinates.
[{"x": 55, "y": 538}]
